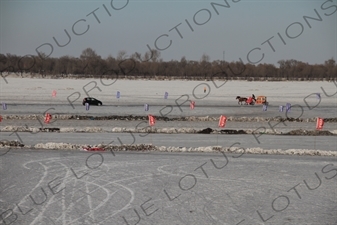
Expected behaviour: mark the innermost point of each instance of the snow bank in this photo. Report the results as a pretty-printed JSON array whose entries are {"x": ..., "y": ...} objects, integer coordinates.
[
  {"x": 160, "y": 118},
  {"x": 36, "y": 116},
  {"x": 167, "y": 130},
  {"x": 208, "y": 149},
  {"x": 6, "y": 144},
  {"x": 150, "y": 147},
  {"x": 52, "y": 145}
]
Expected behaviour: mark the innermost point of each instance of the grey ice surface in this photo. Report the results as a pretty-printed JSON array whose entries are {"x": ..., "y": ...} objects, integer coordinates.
[{"x": 71, "y": 187}]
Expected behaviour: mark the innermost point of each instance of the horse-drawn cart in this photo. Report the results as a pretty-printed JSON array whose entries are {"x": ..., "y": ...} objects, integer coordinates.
[{"x": 260, "y": 100}]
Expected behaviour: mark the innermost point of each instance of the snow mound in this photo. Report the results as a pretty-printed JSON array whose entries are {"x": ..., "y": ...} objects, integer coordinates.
[
  {"x": 208, "y": 149},
  {"x": 53, "y": 145},
  {"x": 161, "y": 118},
  {"x": 167, "y": 130},
  {"x": 6, "y": 144},
  {"x": 67, "y": 130}
]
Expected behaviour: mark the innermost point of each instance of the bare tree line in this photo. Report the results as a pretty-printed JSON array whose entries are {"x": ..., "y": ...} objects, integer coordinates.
[{"x": 151, "y": 66}]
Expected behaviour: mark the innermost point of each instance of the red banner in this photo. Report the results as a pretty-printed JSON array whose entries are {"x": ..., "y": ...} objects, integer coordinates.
[
  {"x": 319, "y": 123},
  {"x": 47, "y": 118},
  {"x": 222, "y": 121},
  {"x": 0, "y": 118},
  {"x": 192, "y": 104},
  {"x": 152, "y": 120}
]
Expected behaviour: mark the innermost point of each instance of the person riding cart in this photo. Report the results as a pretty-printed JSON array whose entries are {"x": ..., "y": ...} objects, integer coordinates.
[{"x": 250, "y": 101}]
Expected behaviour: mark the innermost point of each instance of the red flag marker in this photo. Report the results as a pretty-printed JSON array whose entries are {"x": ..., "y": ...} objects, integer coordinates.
[
  {"x": 222, "y": 121},
  {"x": 319, "y": 123},
  {"x": 152, "y": 120},
  {"x": 0, "y": 118},
  {"x": 53, "y": 94},
  {"x": 192, "y": 104},
  {"x": 47, "y": 118}
]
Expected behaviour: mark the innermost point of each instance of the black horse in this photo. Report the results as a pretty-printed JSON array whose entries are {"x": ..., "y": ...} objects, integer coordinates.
[{"x": 240, "y": 100}]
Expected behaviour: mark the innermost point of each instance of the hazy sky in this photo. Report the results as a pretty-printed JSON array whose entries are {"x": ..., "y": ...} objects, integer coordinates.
[{"x": 242, "y": 29}]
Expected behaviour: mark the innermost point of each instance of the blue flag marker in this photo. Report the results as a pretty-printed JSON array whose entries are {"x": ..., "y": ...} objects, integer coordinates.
[
  {"x": 166, "y": 95},
  {"x": 118, "y": 94},
  {"x": 264, "y": 107},
  {"x": 288, "y": 106},
  {"x": 146, "y": 107},
  {"x": 318, "y": 95},
  {"x": 87, "y": 106},
  {"x": 4, "y": 106},
  {"x": 280, "y": 109}
]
